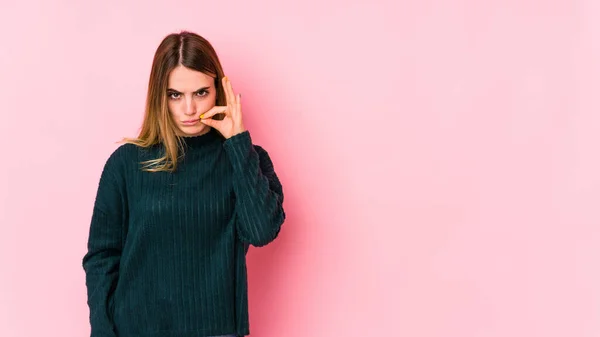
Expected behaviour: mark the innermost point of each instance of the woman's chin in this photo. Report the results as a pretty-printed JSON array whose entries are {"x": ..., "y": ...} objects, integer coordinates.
[{"x": 194, "y": 130}]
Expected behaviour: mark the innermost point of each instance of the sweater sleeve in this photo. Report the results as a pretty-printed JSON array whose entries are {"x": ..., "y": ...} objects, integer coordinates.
[
  {"x": 101, "y": 262},
  {"x": 258, "y": 191}
]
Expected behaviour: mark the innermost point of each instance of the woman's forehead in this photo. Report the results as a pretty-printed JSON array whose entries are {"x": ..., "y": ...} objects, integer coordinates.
[{"x": 185, "y": 79}]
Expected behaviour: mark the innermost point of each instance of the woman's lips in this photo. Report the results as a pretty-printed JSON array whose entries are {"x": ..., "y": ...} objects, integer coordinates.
[{"x": 190, "y": 122}]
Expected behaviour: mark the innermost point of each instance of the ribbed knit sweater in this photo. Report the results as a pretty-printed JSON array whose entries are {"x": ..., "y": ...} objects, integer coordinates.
[{"x": 167, "y": 250}]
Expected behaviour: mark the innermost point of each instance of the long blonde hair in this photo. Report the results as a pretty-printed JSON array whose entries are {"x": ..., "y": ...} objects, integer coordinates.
[{"x": 192, "y": 51}]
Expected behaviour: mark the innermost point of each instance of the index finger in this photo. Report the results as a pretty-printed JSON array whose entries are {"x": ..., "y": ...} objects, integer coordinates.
[{"x": 213, "y": 111}]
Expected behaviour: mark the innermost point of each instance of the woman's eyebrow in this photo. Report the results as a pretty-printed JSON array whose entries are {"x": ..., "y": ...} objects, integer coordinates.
[{"x": 179, "y": 92}]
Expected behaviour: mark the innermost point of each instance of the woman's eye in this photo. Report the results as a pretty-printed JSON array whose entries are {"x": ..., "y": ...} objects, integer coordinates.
[{"x": 176, "y": 95}]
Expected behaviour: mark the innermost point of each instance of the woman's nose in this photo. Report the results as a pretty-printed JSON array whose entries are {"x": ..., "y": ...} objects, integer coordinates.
[{"x": 190, "y": 108}]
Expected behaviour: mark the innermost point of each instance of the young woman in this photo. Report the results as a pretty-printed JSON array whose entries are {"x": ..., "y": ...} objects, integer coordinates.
[{"x": 178, "y": 206}]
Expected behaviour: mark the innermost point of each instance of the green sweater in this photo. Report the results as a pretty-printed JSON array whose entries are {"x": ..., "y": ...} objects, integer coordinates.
[{"x": 167, "y": 251}]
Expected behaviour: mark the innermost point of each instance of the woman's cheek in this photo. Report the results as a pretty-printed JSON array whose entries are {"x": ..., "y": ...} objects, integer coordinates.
[
  {"x": 206, "y": 105},
  {"x": 171, "y": 109}
]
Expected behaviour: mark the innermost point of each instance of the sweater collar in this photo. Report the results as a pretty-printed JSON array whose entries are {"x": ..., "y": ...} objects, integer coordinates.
[{"x": 198, "y": 141}]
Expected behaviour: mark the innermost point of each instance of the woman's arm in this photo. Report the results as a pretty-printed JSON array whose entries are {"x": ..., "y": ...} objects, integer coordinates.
[
  {"x": 259, "y": 194},
  {"x": 101, "y": 262}
]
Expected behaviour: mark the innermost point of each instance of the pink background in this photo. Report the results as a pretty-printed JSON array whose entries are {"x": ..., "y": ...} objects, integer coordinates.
[{"x": 440, "y": 158}]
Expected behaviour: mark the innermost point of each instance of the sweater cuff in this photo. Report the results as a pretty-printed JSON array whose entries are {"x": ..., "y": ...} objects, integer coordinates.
[{"x": 239, "y": 147}]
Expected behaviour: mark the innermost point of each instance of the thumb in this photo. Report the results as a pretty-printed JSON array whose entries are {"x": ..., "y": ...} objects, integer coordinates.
[{"x": 211, "y": 122}]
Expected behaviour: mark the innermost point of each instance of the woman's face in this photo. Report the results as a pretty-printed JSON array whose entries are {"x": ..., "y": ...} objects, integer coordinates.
[{"x": 190, "y": 93}]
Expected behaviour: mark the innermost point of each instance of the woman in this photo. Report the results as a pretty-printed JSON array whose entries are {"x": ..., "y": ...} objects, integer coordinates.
[{"x": 178, "y": 206}]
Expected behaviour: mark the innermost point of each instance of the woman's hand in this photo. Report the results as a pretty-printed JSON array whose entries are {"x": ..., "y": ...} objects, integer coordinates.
[{"x": 231, "y": 124}]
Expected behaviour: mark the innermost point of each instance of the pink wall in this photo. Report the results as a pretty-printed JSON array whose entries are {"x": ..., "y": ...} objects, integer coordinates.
[{"x": 439, "y": 158}]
